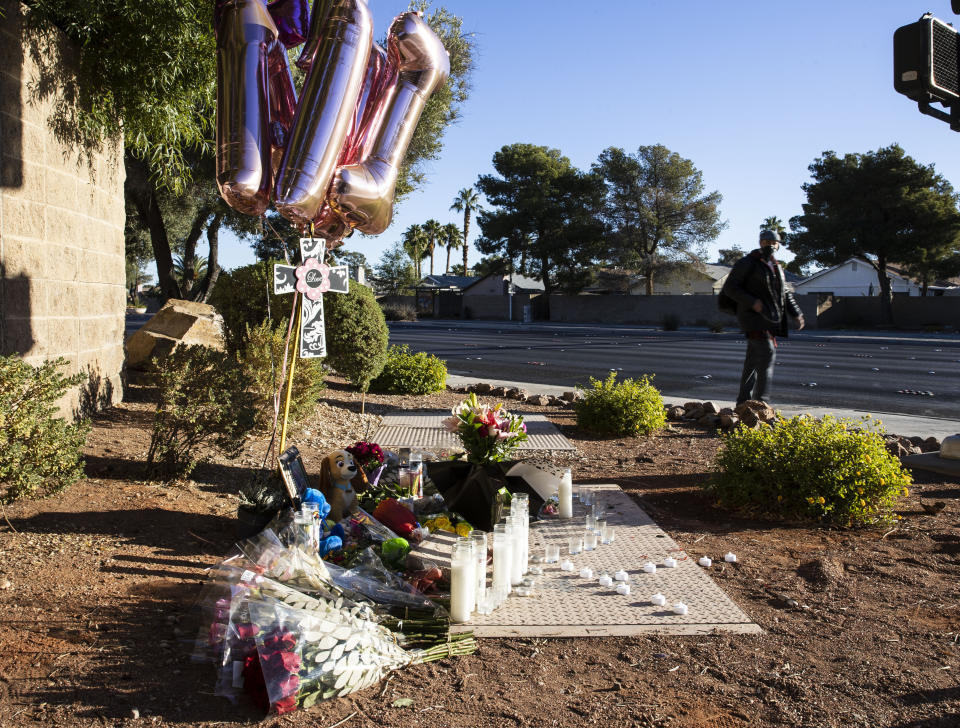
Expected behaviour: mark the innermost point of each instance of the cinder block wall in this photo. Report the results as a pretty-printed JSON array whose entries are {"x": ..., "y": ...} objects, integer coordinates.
[{"x": 62, "y": 277}]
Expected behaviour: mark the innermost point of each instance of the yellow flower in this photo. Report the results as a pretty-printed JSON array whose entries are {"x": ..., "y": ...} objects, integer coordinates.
[
  {"x": 464, "y": 529},
  {"x": 821, "y": 500},
  {"x": 867, "y": 458},
  {"x": 860, "y": 490},
  {"x": 779, "y": 498},
  {"x": 858, "y": 472},
  {"x": 810, "y": 500},
  {"x": 906, "y": 491},
  {"x": 881, "y": 481},
  {"x": 863, "y": 502}
]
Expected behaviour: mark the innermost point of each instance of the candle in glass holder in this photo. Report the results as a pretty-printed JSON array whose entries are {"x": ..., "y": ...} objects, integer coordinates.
[
  {"x": 565, "y": 494},
  {"x": 606, "y": 535},
  {"x": 589, "y": 540},
  {"x": 502, "y": 555},
  {"x": 463, "y": 580},
  {"x": 575, "y": 545},
  {"x": 591, "y": 522},
  {"x": 479, "y": 539},
  {"x": 516, "y": 571},
  {"x": 600, "y": 525},
  {"x": 552, "y": 553}
]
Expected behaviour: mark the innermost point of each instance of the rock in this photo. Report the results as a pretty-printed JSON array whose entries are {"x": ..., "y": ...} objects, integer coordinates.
[
  {"x": 916, "y": 440},
  {"x": 515, "y": 393},
  {"x": 574, "y": 396},
  {"x": 726, "y": 411},
  {"x": 481, "y": 388},
  {"x": 178, "y": 322},
  {"x": 694, "y": 413},
  {"x": 5, "y": 584},
  {"x": 931, "y": 444},
  {"x": 950, "y": 447},
  {"x": 498, "y": 392},
  {"x": 675, "y": 414},
  {"x": 134, "y": 713},
  {"x": 538, "y": 399},
  {"x": 749, "y": 417},
  {"x": 690, "y": 405},
  {"x": 709, "y": 420},
  {"x": 825, "y": 571},
  {"x": 710, "y": 408},
  {"x": 895, "y": 448},
  {"x": 729, "y": 421},
  {"x": 556, "y": 401}
]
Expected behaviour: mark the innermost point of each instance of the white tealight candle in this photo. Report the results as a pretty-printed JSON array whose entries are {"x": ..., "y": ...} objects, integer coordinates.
[
  {"x": 705, "y": 561},
  {"x": 586, "y": 573},
  {"x": 566, "y": 566},
  {"x": 680, "y": 608},
  {"x": 650, "y": 568},
  {"x": 605, "y": 580},
  {"x": 623, "y": 589},
  {"x": 621, "y": 575},
  {"x": 730, "y": 557},
  {"x": 669, "y": 563},
  {"x": 658, "y": 599}
]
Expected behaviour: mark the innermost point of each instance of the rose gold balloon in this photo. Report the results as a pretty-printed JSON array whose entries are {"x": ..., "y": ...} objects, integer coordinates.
[
  {"x": 325, "y": 111},
  {"x": 318, "y": 18},
  {"x": 362, "y": 194},
  {"x": 292, "y": 20},
  {"x": 245, "y": 33},
  {"x": 283, "y": 102}
]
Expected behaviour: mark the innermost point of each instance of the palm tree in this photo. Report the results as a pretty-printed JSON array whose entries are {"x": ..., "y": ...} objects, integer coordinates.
[
  {"x": 189, "y": 272},
  {"x": 452, "y": 238},
  {"x": 415, "y": 244},
  {"x": 433, "y": 229},
  {"x": 776, "y": 224},
  {"x": 467, "y": 201}
]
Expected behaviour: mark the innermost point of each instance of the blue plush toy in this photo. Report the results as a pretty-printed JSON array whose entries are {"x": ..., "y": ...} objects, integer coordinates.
[{"x": 333, "y": 540}]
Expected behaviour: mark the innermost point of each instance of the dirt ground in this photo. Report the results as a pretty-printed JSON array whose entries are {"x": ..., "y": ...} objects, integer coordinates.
[{"x": 97, "y": 619}]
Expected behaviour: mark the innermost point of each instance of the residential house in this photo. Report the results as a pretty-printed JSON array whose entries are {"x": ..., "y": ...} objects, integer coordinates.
[
  {"x": 857, "y": 277},
  {"x": 496, "y": 284},
  {"x": 690, "y": 278},
  {"x": 446, "y": 282}
]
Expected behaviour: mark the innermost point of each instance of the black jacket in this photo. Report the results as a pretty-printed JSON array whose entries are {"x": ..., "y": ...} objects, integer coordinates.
[{"x": 752, "y": 279}]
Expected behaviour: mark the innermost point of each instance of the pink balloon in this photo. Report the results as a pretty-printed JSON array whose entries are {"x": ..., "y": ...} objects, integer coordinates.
[
  {"x": 283, "y": 102},
  {"x": 245, "y": 34}
]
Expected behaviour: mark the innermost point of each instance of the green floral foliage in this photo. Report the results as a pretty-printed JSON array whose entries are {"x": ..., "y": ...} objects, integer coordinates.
[
  {"x": 262, "y": 359},
  {"x": 204, "y": 401},
  {"x": 40, "y": 453},
  {"x": 241, "y": 298},
  {"x": 830, "y": 470},
  {"x": 357, "y": 335},
  {"x": 406, "y": 373},
  {"x": 630, "y": 407}
]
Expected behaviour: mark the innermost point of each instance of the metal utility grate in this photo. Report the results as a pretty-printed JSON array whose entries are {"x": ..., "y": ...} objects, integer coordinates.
[
  {"x": 426, "y": 431},
  {"x": 565, "y": 605}
]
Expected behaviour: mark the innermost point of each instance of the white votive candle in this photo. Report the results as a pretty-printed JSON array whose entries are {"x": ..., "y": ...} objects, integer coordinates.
[
  {"x": 502, "y": 556},
  {"x": 658, "y": 599},
  {"x": 463, "y": 581},
  {"x": 605, "y": 580},
  {"x": 705, "y": 561},
  {"x": 565, "y": 506},
  {"x": 730, "y": 557},
  {"x": 623, "y": 589},
  {"x": 519, "y": 536},
  {"x": 566, "y": 566},
  {"x": 650, "y": 568},
  {"x": 586, "y": 573},
  {"x": 680, "y": 608},
  {"x": 669, "y": 563},
  {"x": 621, "y": 575}
]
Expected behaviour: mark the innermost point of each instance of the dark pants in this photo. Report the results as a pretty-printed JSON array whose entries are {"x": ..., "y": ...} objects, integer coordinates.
[{"x": 757, "y": 369}]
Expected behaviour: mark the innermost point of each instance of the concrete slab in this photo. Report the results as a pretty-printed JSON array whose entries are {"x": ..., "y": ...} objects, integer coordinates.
[
  {"x": 425, "y": 430},
  {"x": 565, "y": 605},
  {"x": 934, "y": 463}
]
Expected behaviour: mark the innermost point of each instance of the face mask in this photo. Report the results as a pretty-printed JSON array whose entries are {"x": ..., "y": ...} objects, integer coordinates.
[{"x": 766, "y": 251}]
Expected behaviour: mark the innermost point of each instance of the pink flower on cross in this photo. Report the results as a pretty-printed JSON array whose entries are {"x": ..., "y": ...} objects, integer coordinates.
[{"x": 313, "y": 278}]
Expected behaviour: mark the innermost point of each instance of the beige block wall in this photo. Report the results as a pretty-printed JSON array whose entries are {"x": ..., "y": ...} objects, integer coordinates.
[{"x": 62, "y": 285}]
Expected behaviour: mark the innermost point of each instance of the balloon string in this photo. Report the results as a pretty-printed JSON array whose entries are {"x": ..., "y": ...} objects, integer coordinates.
[{"x": 286, "y": 251}]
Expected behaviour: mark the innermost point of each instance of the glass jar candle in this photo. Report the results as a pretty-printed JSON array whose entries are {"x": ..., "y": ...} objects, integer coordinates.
[
  {"x": 502, "y": 555},
  {"x": 518, "y": 527},
  {"x": 479, "y": 539},
  {"x": 565, "y": 494},
  {"x": 463, "y": 580}
]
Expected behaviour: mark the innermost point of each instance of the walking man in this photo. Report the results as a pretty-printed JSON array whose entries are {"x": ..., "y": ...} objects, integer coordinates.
[{"x": 757, "y": 285}]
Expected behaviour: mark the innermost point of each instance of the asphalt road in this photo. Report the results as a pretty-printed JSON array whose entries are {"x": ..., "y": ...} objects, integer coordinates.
[{"x": 829, "y": 369}]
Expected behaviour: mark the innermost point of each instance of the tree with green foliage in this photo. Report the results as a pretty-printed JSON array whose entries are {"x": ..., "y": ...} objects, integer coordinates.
[
  {"x": 730, "y": 256},
  {"x": 543, "y": 216},
  {"x": 415, "y": 242},
  {"x": 147, "y": 70},
  {"x": 882, "y": 207},
  {"x": 433, "y": 230},
  {"x": 776, "y": 224},
  {"x": 452, "y": 239},
  {"x": 656, "y": 208},
  {"x": 357, "y": 335},
  {"x": 467, "y": 201},
  {"x": 394, "y": 272}
]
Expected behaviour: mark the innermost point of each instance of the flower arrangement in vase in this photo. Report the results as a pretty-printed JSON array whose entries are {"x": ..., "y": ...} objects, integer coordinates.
[{"x": 488, "y": 434}]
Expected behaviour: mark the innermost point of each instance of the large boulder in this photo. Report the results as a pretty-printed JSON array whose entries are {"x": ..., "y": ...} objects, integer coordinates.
[
  {"x": 177, "y": 322},
  {"x": 950, "y": 447}
]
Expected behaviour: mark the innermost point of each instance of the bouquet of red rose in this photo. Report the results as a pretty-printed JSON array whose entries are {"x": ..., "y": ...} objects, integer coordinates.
[{"x": 369, "y": 456}]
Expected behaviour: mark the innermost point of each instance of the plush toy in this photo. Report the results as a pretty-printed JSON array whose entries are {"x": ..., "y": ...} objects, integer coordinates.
[
  {"x": 395, "y": 516},
  {"x": 340, "y": 481},
  {"x": 329, "y": 540}
]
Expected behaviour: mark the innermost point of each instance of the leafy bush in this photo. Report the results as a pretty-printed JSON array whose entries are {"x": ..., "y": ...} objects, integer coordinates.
[
  {"x": 630, "y": 407},
  {"x": 262, "y": 360},
  {"x": 406, "y": 373},
  {"x": 40, "y": 453},
  {"x": 808, "y": 469},
  {"x": 399, "y": 312},
  {"x": 357, "y": 334},
  {"x": 204, "y": 401},
  {"x": 241, "y": 298},
  {"x": 716, "y": 327}
]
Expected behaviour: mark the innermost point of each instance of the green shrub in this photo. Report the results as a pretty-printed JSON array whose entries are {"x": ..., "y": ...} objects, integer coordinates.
[
  {"x": 803, "y": 468},
  {"x": 241, "y": 298},
  {"x": 630, "y": 407},
  {"x": 399, "y": 312},
  {"x": 204, "y": 401},
  {"x": 406, "y": 373},
  {"x": 40, "y": 453},
  {"x": 357, "y": 335},
  {"x": 716, "y": 326},
  {"x": 262, "y": 360}
]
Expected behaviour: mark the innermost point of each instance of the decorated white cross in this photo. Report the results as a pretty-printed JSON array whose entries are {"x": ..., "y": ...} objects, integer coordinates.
[{"x": 312, "y": 279}]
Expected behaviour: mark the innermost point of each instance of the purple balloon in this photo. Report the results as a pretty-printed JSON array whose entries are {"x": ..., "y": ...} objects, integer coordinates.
[{"x": 293, "y": 20}]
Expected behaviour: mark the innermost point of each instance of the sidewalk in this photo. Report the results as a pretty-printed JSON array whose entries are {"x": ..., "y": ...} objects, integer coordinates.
[{"x": 906, "y": 425}]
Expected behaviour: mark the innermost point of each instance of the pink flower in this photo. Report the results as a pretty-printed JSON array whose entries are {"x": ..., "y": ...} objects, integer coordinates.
[{"x": 451, "y": 424}]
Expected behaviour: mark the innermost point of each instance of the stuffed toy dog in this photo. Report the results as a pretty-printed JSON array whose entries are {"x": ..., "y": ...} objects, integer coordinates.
[{"x": 340, "y": 481}]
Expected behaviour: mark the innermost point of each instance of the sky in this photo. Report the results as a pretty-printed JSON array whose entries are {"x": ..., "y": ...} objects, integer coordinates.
[{"x": 751, "y": 92}]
